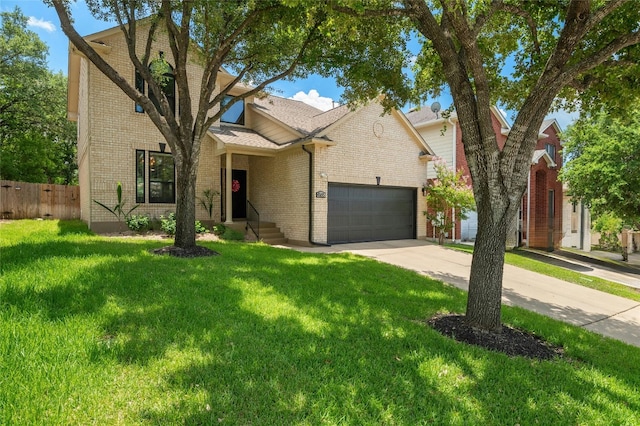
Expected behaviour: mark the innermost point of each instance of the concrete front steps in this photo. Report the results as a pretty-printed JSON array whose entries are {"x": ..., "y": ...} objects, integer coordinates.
[{"x": 269, "y": 232}]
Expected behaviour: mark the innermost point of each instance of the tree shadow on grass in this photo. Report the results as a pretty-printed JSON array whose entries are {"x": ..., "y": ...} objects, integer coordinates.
[
  {"x": 263, "y": 336},
  {"x": 287, "y": 342}
]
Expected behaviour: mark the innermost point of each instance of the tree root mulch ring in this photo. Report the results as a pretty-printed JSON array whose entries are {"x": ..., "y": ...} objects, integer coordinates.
[
  {"x": 196, "y": 251},
  {"x": 510, "y": 341}
]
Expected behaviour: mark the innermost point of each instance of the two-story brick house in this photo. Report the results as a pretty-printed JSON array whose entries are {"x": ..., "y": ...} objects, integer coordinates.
[
  {"x": 539, "y": 222},
  {"x": 327, "y": 177}
]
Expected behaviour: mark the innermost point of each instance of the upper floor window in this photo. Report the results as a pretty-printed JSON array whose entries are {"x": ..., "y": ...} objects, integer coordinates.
[
  {"x": 235, "y": 114},
  {"x": 551, "y": 150},
  {"x": 162, "y": 73}
]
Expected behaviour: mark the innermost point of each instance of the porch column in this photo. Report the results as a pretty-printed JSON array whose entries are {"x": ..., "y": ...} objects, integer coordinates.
[{"x": 229, "y": 180}]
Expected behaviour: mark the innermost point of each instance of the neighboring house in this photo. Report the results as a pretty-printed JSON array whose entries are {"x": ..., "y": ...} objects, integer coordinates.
[
  {"x": 576, "y": 223},
  {"x": 324, "y": 177},
  {"x": 539, "y": 221}
]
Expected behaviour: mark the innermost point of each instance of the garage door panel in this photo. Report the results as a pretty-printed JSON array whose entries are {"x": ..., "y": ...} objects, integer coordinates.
[{"x": 360, "y": 213}]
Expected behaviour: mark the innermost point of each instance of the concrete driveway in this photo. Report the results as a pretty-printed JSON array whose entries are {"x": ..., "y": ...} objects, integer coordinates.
[{"x": 602, "y": 313}]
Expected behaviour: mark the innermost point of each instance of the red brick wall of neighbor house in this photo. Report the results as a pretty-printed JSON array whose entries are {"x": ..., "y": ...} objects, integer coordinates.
[
  {"x": 461, "y": 159},
  {"x": 545, "y": 233}
]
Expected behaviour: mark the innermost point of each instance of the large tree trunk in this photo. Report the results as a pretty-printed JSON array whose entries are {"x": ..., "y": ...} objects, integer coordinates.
[
  {"x": 186, "y": 172},
  {"x": 485, "y": 281}
]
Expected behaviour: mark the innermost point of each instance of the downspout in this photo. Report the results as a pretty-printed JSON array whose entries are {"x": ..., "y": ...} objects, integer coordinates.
[
  {"x": 455, "y": 169},
  {"x": 529, "y": 207},
  {"x": 304, "y": 148},
  {"x": 581, "y": 225}
]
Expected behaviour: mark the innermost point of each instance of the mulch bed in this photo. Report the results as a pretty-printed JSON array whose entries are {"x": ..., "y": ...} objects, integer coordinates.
[
  {"x": 510, "y": 341},
  {"x": 196, "y": 251}
]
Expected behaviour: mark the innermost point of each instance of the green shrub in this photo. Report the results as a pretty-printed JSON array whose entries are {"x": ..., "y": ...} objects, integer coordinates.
[
  {"x": 609, "y": 226},
  {"x": 232, "y": 235},
  {"x": 168, "y": 225},
  {"x": 219, "y": 229},
  {"x": 200, "y": 229},
  {"x": 139, "y": 223}
]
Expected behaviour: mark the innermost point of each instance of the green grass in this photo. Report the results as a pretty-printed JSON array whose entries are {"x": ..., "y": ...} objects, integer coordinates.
[
  {"x": 99, "y": 331},
  {"x": 522, "y": 260}
]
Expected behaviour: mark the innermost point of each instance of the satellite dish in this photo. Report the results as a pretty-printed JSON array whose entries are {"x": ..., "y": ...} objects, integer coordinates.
[{"x": 435, "y": 107}]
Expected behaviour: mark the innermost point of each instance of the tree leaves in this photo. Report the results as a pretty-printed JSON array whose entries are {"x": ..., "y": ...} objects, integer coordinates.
[
  {"x": 604, "y": 164},
  {"x": 37, "y": 143}
]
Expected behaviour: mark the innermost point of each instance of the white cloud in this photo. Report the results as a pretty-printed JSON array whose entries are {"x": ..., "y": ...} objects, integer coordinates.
[
  {"x": 42, "y": 24},
  {"x": 314, "y": 99}
]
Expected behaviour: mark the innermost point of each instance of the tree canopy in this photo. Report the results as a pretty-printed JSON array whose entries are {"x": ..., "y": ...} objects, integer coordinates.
[
  {"x": 529, "y": 56},
  {"x": 603, "y": 164},
  {"x": 37, "y": 143}
]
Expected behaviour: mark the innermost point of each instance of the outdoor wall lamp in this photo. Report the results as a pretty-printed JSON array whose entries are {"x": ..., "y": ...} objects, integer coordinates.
[
  {"x": 424, "y": 191},
  {"x": 323, "y": 175},
  {"x": 377, "y": 180},
  {"x": 162, "y": 146}
]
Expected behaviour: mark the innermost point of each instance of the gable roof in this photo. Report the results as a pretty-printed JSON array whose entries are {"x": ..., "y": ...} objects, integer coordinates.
[
  {"x": 304, "y": 119},
  {"x": 542, "y": 153},
  {"x": 308, "y": 122},
  {"x": 421, "y": 115},
  {"x": 548, "y": 123}
]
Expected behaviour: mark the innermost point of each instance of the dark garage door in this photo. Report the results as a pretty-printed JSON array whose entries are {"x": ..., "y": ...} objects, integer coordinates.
[{"x": 370, "y": 213}]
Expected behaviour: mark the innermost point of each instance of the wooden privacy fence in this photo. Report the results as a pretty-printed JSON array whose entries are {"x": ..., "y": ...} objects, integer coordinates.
[{"x": 21, "y": 200}]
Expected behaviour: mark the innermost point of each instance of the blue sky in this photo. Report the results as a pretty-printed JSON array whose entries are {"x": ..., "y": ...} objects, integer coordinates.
[{"x": 315, "y": 90}]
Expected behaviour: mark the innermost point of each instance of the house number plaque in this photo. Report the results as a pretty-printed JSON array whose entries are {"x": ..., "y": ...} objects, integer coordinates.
[{"x": 321, "y": 194}]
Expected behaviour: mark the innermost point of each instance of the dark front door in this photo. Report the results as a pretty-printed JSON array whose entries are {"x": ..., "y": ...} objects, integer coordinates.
[
  {"x": 239, "y": 193},
  {"x": 370, "y": 213}
]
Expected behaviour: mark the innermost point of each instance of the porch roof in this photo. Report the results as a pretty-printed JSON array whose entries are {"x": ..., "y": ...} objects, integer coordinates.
[
  {"x": 244, "y": 138},
  {"x": 542, "y": 153}
]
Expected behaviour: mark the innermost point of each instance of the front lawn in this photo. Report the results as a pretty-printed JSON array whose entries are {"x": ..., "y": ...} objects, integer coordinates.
[{"x": 97, "y": 330}]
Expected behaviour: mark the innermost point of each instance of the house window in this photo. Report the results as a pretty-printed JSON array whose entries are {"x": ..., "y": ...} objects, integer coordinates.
[
  {"x": 235, "y": 114},
  {"x": 139, "y": 176},
  {"x": 163, "y": 74},
  {"x": 162, "y": 177},
  {"x": 140, "y": 88},
  {"x": 551, "y": 150}
]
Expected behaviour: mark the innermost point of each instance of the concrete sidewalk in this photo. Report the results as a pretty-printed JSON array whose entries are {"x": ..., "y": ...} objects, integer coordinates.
[
  {"x": 600, "y": 312},
  {"x": 591, "y": 264}
]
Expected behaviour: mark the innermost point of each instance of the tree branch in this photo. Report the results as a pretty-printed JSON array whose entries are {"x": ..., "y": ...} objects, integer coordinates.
[
  {"x": 533, "y": 28},
  {"x": 484, "y": 17},
  {"x": 260, "y": 87},
  {"x": 369, "y": 13},
  {"x": 607, "y": 8},
  {"x": 109, "y": 71},
  {"x": 597, "y": 58}
]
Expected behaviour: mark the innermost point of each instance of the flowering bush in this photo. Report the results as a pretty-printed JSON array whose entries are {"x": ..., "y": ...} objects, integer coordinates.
[{"x": 449, "y": 198}]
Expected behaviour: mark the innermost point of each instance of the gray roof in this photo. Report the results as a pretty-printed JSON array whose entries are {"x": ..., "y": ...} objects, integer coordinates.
[
  {"x": 421, "y": 115},
  {"x": 424, "y": 114},
  {"x": 243, "y": 137},
  {"x": 299, "y": 116}
]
